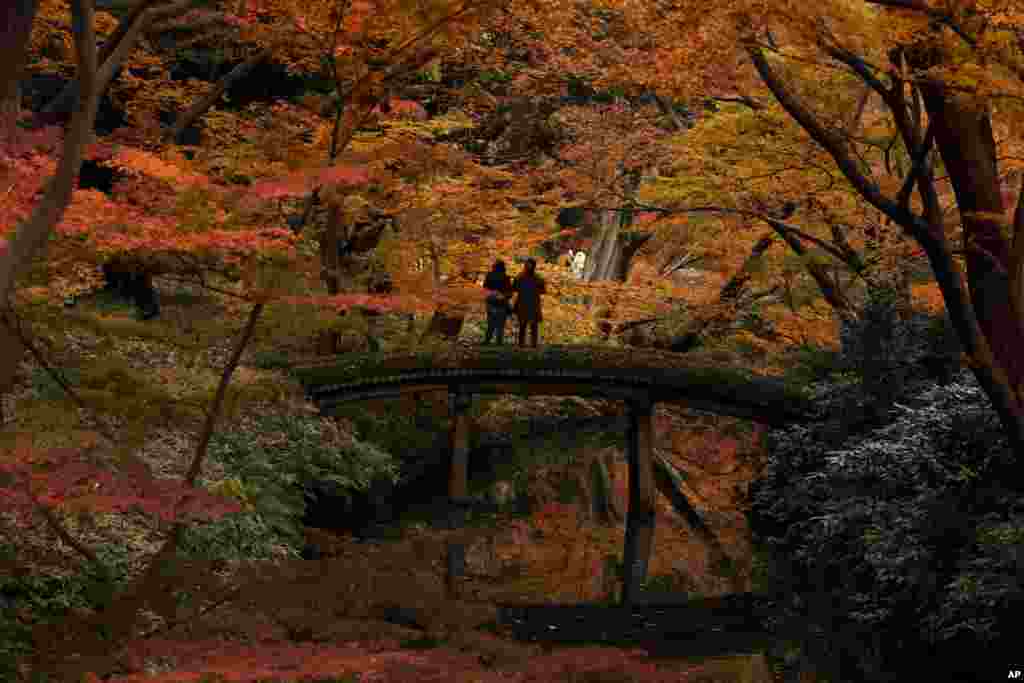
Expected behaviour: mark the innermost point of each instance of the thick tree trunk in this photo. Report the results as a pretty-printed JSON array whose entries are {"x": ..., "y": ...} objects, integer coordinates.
[
  {"x": 610, "y": 258},
  {"x": 965, "y": 141},
  {"x": 604, "y": 254}
]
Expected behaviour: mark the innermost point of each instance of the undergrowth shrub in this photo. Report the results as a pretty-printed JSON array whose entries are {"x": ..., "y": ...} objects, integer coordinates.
[
  {"x": 271, "y": 360},
  {"x": 47, "y": 388},
  {"x": 882, "y": 347},
  {"x": 32, "y": 595},
  {"x": 895, "y": 534},
  {"x": 275, "y": 464}
]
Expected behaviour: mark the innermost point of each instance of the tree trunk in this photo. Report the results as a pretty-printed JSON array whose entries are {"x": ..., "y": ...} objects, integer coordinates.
[
  {"x": 446, "y": 325},
  {"x": 30, "y": 236},
  {"x": 603, "y": 255},
  {"x": 733, "y": 289},
  {"x": 15, "y": 30},
  {"x": 330, "y": 262},
  {"x": 442, "y": 323},
  {"x": 965, "y": 141},
  {"x": 200, "y": 107},
  {"x": 10, "y": 112},
  {"x": 602, "y": 498},
  {"x": 670, "y": 484},
  {"x": 610, "y": 258},
  {"x": 141, "y": 17}
]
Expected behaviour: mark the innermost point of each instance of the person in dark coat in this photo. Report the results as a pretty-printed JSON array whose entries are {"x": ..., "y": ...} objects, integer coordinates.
[
  {"x": 529, "y": 286},
  {"x": 498, "y": 308}
]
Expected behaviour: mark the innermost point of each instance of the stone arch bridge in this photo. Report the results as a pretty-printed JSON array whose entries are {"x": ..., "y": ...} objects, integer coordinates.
[{"x": 640, "y": 378}]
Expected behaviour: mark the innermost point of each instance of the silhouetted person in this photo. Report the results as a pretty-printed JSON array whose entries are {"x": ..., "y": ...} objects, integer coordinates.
[
  {"x": 498, "y": 306},
  {"x": 528, "y": 286}
]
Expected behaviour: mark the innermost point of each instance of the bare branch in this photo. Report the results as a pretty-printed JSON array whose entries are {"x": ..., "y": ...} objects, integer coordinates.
[
  {"x": 835, "y": 146},
  {"x": 922, "y": 6},
  {"x": 200, "y": 106},
  {"x": 918, "y": 167},
  {"x": 745, "y": 100},
  {"x": 218, "y": 399},
  {"x": 116, "y": 48},
  {"x": 55, "y": 525}
]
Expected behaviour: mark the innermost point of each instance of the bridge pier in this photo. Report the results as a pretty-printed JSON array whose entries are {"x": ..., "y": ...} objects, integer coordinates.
[
  {"x": 458, "y": 478},
  {"x": 458, "y": 487},
  {"x": 640, "y": 519}
]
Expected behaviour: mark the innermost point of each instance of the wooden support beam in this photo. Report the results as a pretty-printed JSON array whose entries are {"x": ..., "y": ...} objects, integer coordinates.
[
  {"x": 458, "y": 486},
  {"x": 640, "y": 518},
  {"x": 458, "y": 489}
]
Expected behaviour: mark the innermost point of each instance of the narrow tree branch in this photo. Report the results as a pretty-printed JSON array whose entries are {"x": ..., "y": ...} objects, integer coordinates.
[
  {"x": 58, "y": 528},
  {"x": 835, "y": 146},
  {"x": 922, "y": 6},
  {"x": 734, "y": 287},
  {"x": 917, "y": 169},
  {"x": 829, "y": 289},
  {"x": 622, "y": 327},
  {"x": 121, "y": 31},
  {"x": 859, "y": 66},
  {"x": 13, "y": 323},
  {"x": 858, "y": 113},
  {"x": 200, "y": 106},
  {"x": 745, "y": 100},
  {"x": 116, "y": 48},
  {"x": 200, "y": 612},
  {"x": 217, "y": 404}
]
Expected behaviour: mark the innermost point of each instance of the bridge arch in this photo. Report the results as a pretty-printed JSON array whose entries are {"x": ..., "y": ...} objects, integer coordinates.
[{"x": 639, "y": 378}]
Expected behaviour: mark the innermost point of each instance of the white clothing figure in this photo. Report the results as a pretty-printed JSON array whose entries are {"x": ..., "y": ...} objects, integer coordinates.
[{"x": 578, "y": 262}]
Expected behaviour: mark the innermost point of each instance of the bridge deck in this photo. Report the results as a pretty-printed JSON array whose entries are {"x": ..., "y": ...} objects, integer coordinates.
[{"x": 610, "y": 372}]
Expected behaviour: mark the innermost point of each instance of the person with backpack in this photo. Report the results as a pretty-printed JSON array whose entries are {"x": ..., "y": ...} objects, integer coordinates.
[{"x": 498, "y": 308}]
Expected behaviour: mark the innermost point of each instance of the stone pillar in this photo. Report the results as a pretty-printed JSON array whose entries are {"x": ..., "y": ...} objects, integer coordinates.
[
  {"x": 458, "y": 489},
  {"x": 640, "y": 519}
]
